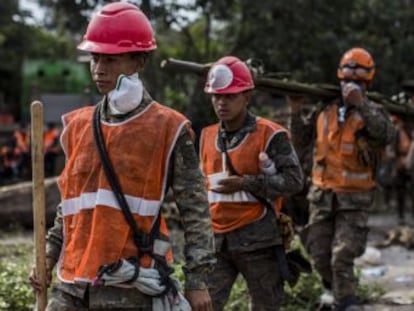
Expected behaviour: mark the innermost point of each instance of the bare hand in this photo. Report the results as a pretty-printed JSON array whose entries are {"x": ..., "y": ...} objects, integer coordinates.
[
  {"x": 35, "y": 283},
  {"x": 229, "y": 185},
  {"x": 352, "y": 94},
  {"x": 199, "y": 300}
]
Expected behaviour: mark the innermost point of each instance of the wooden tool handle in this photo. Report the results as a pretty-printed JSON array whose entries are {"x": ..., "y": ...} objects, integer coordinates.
[{"x": 39, "y": 212}]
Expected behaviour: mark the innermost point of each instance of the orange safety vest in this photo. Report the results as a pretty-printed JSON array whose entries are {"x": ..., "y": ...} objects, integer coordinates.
[
  {"x": 336, "y": 163},
  {"x": 49, "y": 139},
  {"x": 94, "y": 229},
  {"x": 9, "y": 156},
  {"x": 22, "y": 140},
  {"x": 232, "y": 211}
]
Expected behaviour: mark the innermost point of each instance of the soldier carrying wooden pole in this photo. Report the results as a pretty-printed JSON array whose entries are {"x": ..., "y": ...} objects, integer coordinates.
[{"x": 293, "y": 88}]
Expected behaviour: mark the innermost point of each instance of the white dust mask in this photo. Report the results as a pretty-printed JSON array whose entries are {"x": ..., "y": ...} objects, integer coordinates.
[{"x": 127, "y": 94}]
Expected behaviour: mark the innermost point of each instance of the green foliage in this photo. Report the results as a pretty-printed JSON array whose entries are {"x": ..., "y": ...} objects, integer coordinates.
[
  {"x": 175, "y": 99},
  {"x": 178, "y": 272},
  {"x": 68, "y": 16},
  {"x": 303, "y": 296},
  {"x": 46, "y": 45},
  {"x": 15, "y": 292},
  {"x": 305, "y": 38},
  {"x": 368, "y": 292},
  {"x": 239, "y": 297},
  {"x": 18, "y": 42}
]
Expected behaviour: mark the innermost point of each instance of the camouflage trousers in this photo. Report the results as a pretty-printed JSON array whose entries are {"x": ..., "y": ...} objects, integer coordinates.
[
  {"x": 336, "y": 235},
  {"x": 259, "y": 269},
  {"x": 100, "y": 298}
]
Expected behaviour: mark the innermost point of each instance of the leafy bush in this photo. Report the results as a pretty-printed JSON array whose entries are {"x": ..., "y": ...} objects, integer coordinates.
[
  {"x": 15, "y": 292},
  {"x": 239, "y": 297},
  {"x": 303, "y": 296},
  {"x": 369, "y": 292}
]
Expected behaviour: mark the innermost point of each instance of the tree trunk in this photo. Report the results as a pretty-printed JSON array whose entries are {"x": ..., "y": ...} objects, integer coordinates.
[{"x": 16, "y": 203}]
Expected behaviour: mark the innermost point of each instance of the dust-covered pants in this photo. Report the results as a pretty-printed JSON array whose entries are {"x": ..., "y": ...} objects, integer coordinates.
[
  {"x": 69, "y": 297},
  {"x": 336, "y": 235},
  {"x": 258, "y": 268},
  {"x": 248, "y": 251}
]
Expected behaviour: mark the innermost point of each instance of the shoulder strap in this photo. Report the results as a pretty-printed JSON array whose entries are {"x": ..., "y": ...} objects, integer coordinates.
[
  {"x": 223, "y": 148},
  {"x": 142, "y": 240},
  {"x": 284, "y": 269}
]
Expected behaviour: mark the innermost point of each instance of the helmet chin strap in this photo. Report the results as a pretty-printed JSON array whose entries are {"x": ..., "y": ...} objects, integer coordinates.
[{"x": 126, "y": 96}]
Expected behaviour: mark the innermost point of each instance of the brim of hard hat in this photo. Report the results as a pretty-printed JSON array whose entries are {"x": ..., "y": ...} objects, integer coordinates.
[
  {"x": 105, "y": 48},
  {"x": 229, "y": 90}
]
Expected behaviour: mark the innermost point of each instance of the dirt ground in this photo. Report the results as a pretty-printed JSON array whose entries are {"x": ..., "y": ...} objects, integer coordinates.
[{"x": 391, "y": 267}]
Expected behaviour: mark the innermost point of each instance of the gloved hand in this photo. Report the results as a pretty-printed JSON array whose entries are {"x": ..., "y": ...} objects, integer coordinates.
[
  {"x": 352, "y": 94},
  {"x": 146, "y": 280}
]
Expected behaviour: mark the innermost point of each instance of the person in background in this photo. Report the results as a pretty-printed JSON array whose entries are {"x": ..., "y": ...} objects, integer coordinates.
[
  {"x": 22, "y": 150},
  {"x": 301, "y": 111},
  {"x": 350, "y": 131},
  {"x": 110, "y": 241},
  {"x": 51, "y": 147},
  {"x": 246, "y": 228},
  {"x": 10, "y": 158},
  {"x": 409, "y": 165},
  {"x": 396, "y": 180}
]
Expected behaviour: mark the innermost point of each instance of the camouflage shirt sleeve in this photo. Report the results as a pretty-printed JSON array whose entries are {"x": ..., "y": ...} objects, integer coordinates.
[
  {"x": 379, "y": 128},
  {"x": 189, "y": 189},
  {"x": 288, "y": 179},
  {"x": 303, "y": 132},
  {"x": 54, "y": 237}
]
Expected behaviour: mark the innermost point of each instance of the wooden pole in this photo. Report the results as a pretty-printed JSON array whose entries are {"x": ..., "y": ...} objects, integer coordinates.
[
  {"x": 39, "y": 213},
  {"x": 285, "y": 87}
]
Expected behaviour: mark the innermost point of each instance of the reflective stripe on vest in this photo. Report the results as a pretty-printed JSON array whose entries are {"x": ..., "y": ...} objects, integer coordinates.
[
  {"x": 232, "y": 211},
  {"x": 240, "y": 196},
  {"x": 49, "y": 139},
  {"x": 106, "y": 197},
  {"x": 95, "y": 231}
]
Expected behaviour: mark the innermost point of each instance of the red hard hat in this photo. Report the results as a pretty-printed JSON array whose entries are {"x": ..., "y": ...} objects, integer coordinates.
[
  {"x": 229, "y": 75},
  {"x": 118, "y": 27}
]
